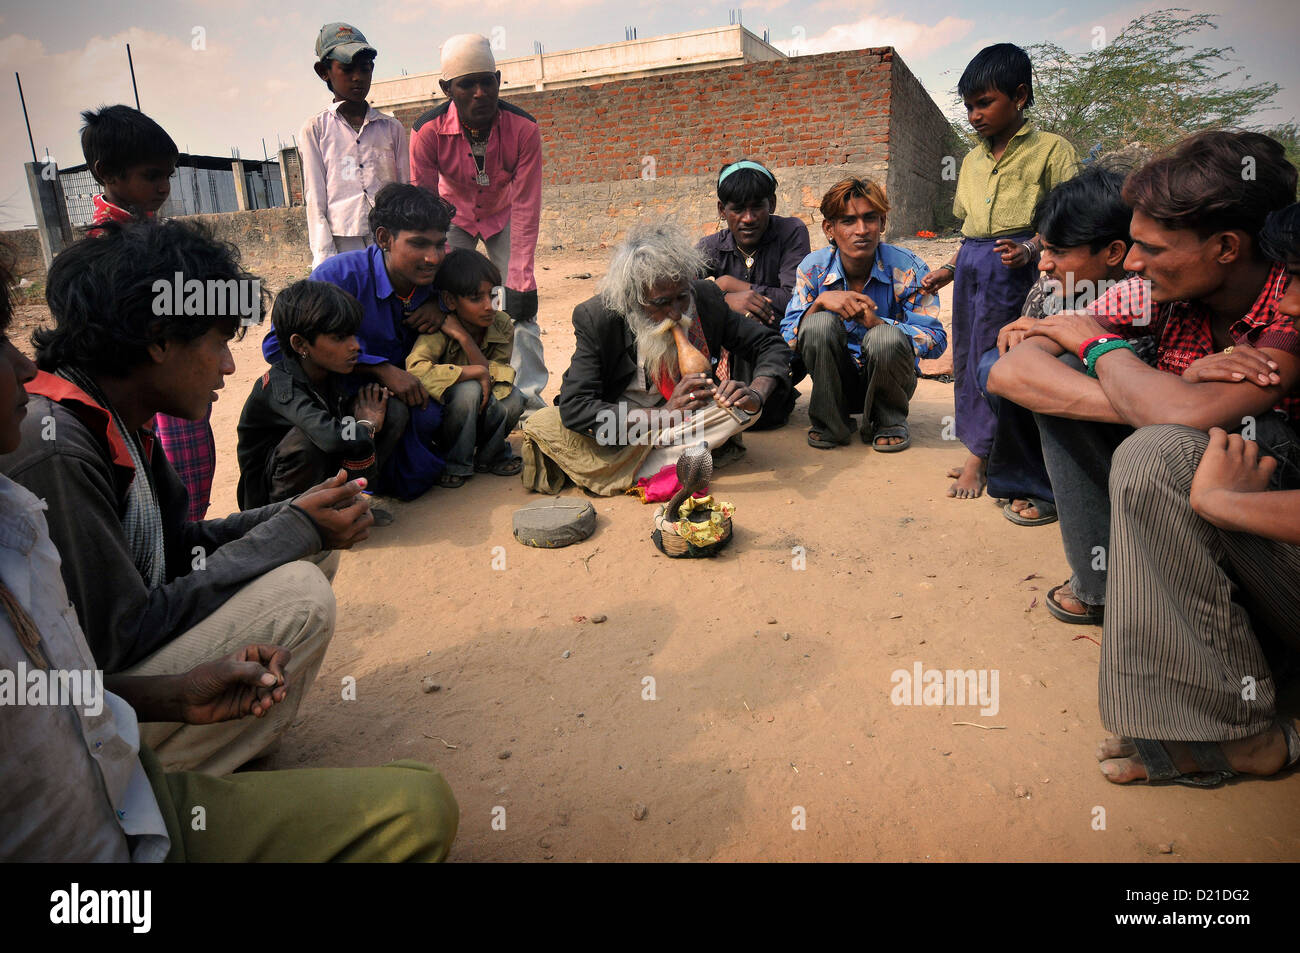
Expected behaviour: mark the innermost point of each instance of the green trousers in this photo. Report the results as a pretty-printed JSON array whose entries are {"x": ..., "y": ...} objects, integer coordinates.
[{"x": 402, "y": 811}]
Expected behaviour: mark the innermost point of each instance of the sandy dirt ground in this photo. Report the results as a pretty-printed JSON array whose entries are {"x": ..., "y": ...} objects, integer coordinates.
[{"x": 768, "y": 731}]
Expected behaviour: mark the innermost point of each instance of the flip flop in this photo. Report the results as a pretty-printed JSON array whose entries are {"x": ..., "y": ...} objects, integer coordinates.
[
  {"x": 1212, "y": 767},
  {"x": 1093, "y": 616},
  {"x": 1046, "y": 512},
  {"x": 507, "y": 466},
  {"x": 815, "y": 439},
  {"x": 898, "y": 430},
  {"x": 450, "y": 481}
]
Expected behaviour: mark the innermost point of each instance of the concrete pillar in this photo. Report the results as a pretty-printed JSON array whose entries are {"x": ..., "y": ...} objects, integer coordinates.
[
  {"x": 52, "y": 224},
  {"x": 241, "y": 185},
  {"x": 291, "y": 176},
  {"x": 538, "y": 59}
]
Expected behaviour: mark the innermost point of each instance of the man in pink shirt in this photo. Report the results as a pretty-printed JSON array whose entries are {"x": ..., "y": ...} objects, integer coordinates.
[{"x": 485, "y": 157}]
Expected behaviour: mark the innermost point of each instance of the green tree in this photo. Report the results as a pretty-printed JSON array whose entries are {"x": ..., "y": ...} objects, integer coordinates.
[{"x": 1151, "y": 84}]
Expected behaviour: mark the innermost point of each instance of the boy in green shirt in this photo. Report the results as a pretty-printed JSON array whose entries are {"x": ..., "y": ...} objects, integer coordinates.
[
  {"x": 466, "y": 367},
  {"x": 1001, "y": 181}
]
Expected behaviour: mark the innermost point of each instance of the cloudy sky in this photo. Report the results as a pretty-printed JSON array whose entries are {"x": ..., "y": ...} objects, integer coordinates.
[{"x": 223, "y": 73}]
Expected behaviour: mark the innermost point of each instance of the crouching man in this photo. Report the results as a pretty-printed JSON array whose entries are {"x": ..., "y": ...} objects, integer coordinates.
[{"x": 156, "y": 594}]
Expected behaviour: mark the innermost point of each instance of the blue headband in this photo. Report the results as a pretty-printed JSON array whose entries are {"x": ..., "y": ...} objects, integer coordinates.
[{"x": 744, "y": 164}]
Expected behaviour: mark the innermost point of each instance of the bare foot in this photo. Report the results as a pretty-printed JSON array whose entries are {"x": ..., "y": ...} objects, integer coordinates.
[
  {"x": 969, "y": 477},
  {"x": 888, "y": 441},
  {"x": 1260, "y": 755}
]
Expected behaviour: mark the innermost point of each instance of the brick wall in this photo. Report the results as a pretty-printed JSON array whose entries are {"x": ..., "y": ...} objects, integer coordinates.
[{"x": 812, "y": 119}]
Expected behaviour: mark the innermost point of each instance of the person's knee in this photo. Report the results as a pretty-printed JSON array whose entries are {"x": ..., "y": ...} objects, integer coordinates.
[
  {"x": 396, "y": 415},
  {"x": 820, "y": 329},
  {"x": 886, "y": 342},
  {"x": 1167, "y": 451},
  {"x": 513, "y": 404},
  {"x": 463, "y": 396},
  {"x": 304, "y": 601},
  {"x": 429, "y": 814},
  {"x": 887, "y": 339}
]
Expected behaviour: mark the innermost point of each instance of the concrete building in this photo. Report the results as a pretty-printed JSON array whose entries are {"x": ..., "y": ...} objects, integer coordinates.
[
  {"x": 678, "y": 52},
  {"x": 638, "y": 130}
]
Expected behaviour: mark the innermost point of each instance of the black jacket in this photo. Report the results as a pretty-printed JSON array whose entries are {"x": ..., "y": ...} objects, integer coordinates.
[
  {"x": 604, "y": 358},
  {"x": 281, "y": 399},
  {"x": 86, "y": 489}
]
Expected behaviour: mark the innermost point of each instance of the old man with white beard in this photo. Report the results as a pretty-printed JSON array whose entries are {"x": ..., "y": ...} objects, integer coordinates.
[{"x": 626, "y": 410}]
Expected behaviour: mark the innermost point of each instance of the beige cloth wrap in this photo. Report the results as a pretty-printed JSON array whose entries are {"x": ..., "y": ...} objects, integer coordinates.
[{"x": 552, "y": 452}]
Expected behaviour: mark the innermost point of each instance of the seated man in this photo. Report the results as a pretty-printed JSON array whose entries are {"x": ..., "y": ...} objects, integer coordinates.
[
  {"x": 1204, "y": 286},
  {"x": 154, "y": 593},
  {"x": 861, "y": 322},
  {"x": 300, "y": 424},
  {"x": 1082, "y": 225},
  {"x": 80, "y": 786},
  {"x": 754, "y": 261},
  {"x": 1203, "y": 586},
  {"x": 392, "y": 280},
  {"x": 626, "y": 409}
]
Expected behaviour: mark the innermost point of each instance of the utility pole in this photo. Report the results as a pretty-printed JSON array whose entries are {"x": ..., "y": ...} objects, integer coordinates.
[{"x": 131, "y": 64}]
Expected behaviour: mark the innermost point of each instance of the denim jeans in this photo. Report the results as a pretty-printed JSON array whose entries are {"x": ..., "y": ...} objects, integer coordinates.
[{"x": 465, "y": 428}]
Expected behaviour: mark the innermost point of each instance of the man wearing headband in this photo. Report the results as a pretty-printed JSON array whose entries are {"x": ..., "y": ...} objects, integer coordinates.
[
  {"x": 754, "y": 261},
  {"x": 485, "y": 157}
]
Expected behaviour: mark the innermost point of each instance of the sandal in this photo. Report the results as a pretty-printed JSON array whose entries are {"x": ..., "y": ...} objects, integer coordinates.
[
  {"x": 450, "y": 481},
  {"x": 507, "y": 466},
  {"x": 815, "y": 439},
  {"x": 1212, "y": 767},
  {"x": 1046, "y": 512},
  {"x": 1093, "y": 615},
  {"x": 898, "y": 430}
]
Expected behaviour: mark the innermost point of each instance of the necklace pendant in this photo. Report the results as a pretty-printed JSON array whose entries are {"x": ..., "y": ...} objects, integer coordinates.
[
  {"x": 482, "y": 178},
  {"x": 749, "y": 261}
]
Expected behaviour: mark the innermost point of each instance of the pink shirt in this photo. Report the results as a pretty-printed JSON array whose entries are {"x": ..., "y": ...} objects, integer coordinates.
[
  {"x": 441, "y": 160},
  {"x": 343, "y": 170}
]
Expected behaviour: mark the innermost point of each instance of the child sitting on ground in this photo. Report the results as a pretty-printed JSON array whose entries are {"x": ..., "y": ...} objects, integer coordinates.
[
  {"x": 466, "y": 367},
  {"x": 133, "y": 158},
  {"x": 301, "y": 424}
]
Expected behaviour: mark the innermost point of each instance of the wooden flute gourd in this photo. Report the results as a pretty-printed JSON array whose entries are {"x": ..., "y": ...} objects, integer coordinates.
[{"x": 691, "y": 360}]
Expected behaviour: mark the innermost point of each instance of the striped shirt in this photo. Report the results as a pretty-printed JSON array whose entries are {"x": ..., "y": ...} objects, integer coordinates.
[{"x": 997, "y": 197}]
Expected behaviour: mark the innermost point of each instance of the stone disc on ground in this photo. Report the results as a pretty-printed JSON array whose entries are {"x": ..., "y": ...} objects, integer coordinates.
[{"x": 555, "y": 522}]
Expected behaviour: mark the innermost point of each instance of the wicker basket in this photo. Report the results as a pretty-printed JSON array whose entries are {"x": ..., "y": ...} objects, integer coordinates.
[{"x": 668, "y": 542}]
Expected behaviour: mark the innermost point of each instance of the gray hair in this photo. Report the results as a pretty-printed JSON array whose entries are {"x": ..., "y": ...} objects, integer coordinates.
[{"x": 650, "y": 254}]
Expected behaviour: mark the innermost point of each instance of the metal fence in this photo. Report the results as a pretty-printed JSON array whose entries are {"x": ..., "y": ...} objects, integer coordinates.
[{"x": 200, "y": 185}]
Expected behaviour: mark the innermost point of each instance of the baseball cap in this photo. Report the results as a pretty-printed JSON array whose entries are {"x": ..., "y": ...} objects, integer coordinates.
[{"x": 341, "y": 41}]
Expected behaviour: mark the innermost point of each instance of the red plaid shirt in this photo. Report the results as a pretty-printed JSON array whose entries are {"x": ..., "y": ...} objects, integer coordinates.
[{"x": 1182, "y": 328}]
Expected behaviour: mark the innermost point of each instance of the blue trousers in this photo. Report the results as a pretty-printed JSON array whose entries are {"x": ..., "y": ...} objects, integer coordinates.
[
  {"x": 1016, "y": 469},
  {"x": 986, "y": 296}
]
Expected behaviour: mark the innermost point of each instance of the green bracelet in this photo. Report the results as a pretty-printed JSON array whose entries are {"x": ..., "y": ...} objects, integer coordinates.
[
  {"x": 1105, "y": 347},
  {"x": 950, "y": 267}
]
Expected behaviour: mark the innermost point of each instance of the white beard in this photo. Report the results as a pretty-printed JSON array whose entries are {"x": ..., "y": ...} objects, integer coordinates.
[{"x": 655, "y": 345}]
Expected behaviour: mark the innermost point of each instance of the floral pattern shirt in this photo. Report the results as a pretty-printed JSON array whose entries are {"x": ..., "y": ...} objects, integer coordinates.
[{"x": 894, "y": 285}]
